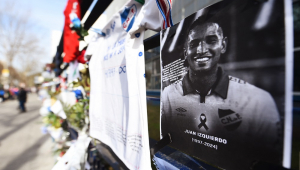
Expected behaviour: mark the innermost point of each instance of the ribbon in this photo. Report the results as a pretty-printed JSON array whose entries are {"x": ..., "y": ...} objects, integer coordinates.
[{"x": 202, "y": 122}]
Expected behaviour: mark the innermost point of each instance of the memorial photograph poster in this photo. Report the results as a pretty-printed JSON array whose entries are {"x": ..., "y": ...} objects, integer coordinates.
[{"x": 224, "y": 84}]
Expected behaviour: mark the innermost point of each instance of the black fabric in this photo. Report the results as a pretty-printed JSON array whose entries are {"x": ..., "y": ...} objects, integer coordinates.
[
  {"x": 264, "y": 165},
  {"x": 161, "y": 144},
  {"x": 98, "y": 9},
  {"x": 84, "y": 6},
  {"x": 22, "y": 96},
  {"x": 22, "y": 105},
  {"x": 58, "y": 59}
]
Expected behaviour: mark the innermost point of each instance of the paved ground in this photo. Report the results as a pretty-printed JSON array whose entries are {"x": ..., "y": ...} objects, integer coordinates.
[{"x": 22, "y": 145}]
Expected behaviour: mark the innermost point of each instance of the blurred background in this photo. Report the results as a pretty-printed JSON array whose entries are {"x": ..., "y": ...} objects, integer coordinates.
[{"x": 30, "y": 31}]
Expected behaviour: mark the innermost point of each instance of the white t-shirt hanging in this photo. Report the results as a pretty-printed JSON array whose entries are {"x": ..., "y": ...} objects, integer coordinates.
[
  {"x": 92, "y": 47},
  {"x": 118, "y": 93},
  {"x": 155, "y": 15}
]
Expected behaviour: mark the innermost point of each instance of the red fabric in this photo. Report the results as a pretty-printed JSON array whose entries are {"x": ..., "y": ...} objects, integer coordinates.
[
  {"x": 80, "y": 58},
  {"x": 71, "y": 43}
]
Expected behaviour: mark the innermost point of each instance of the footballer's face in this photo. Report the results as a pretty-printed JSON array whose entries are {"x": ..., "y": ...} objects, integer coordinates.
[{"x": 205, "y": 44}]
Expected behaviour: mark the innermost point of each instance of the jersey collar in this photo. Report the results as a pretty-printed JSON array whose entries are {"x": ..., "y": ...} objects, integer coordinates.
[{"x": 220, "y": 87}]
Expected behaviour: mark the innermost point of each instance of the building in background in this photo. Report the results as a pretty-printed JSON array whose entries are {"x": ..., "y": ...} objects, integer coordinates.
[{"x": 55, "y": 38}]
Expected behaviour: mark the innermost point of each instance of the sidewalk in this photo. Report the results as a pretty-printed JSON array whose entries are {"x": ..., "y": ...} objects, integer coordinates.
[{"x": 22, "y": 145}]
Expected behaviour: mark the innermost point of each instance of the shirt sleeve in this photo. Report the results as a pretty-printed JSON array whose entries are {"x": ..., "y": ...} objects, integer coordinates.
[
  {"x": 93, "y": 46},
  {"x": 151, "y": 17},
  {"x": 269, "y": 118},
  {"x": 268, "y": 128}
]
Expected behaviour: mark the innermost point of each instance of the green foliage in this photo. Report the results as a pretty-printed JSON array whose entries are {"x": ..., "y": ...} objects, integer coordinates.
[
  {"x": 141, "y": 1},
  {"x": 64, "y": 149},
  {"x": 81, "y": 32},
  {"x": 85, "y": 79},
  {"x": 53, "y": 94},
  {"x": 53, "y": 120},
  {"x": 76, "y": 114},
  {"x": 48, "y": 79},
  {"x": 153, "y": 112}
]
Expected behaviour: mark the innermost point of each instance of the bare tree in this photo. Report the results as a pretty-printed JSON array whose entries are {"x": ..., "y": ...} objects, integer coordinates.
[{"x": 20, "y": 39}]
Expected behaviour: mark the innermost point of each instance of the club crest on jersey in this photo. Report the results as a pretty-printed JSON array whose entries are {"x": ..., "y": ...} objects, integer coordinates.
[
  {"x": 128, "y": 16},
  {"x": 229, "y": 119}
]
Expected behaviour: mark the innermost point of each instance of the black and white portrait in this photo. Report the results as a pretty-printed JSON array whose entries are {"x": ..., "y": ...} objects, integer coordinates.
[{"x": 223, "y": 83}]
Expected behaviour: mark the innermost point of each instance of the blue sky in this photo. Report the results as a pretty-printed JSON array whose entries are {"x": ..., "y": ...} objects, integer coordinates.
[{"x": 47, "y": 15}]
